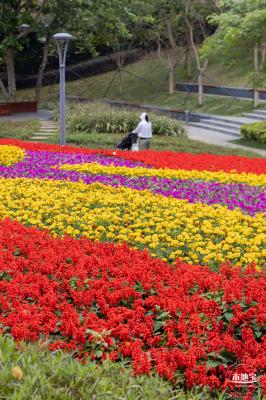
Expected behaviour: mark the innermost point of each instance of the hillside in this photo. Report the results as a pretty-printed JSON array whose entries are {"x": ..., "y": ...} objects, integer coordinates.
[{"x": 146, "y": 82}]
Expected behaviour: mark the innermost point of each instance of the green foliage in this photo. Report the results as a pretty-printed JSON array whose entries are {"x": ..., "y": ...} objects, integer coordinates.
[
  {"x": 240, "y": 35},
  {"x": 110, "y": 23},
  {"x": 241, "y": 26},
  {"x": 96, "y": 117},
  {"x": 256, "y": 132},
  {"x": 14, "y": 13},
  {"x": 58, "y": 376}
]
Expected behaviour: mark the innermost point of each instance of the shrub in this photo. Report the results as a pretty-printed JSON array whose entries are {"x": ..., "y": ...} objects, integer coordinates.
[
  {"x": 99, "y": 118},
  {"x": 256, "y": 131}
]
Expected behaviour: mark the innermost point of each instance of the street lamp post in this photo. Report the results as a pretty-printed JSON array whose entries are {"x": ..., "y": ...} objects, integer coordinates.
[{"x": 62, "y": 40}]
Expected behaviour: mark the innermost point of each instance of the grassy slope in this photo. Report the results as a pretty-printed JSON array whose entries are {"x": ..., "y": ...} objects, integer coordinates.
[{"x": 151, "y": 87}]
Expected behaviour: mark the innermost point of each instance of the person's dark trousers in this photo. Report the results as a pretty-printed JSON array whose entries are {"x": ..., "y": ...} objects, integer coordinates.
[{"x": 144, "y": 144}]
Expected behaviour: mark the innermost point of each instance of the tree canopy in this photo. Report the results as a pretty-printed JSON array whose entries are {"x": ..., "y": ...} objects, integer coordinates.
[{"x": 227, "y": 30}]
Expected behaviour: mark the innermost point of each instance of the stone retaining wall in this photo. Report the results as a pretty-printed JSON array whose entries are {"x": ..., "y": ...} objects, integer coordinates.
[{"x": 221, "y": 91}]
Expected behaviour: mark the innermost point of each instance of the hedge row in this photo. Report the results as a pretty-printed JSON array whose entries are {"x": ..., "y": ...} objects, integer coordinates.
[{"x": 255, "y": 131}]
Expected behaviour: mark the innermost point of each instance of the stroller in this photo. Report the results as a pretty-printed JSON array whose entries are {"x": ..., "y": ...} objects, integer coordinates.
[{"x": 127, "y": 142}]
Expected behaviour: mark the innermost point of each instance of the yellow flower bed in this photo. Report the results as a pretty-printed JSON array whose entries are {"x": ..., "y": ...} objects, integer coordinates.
[
  {"x": 167, "y": 227},
  {"x": 95, "y": 168},
  {"x": 10, "y": 155}
]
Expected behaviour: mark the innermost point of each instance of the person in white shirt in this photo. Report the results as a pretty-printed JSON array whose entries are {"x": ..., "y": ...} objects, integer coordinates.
[{"x": 144, "y": 132}]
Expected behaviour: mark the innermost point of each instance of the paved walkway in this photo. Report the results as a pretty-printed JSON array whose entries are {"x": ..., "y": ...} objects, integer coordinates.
[
  {"x": 218, "y": 138},
  {"x": 42, "y": 115}
]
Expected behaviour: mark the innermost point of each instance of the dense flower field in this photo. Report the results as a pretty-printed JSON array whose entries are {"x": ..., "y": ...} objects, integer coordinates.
[{"x": 155, "y": 256}]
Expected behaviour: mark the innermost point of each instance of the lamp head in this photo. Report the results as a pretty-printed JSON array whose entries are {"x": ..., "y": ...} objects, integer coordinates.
[
  {"x": 24, "y": 27},
  {"x": 62, "y": 37},
  {"x": 62, "y": 40}
]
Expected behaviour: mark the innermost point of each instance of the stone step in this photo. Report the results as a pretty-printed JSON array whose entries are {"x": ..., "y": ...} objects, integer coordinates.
[
  {"x": 223, "y": 120},
  {"x": 260, "y": 112},
  {"x": 206, "y": 126},
  {"x": 222, "y": 124},
  {"x": 49, "y": 123},
  {"x": 45, "y": 133},
  {"x": 39, "y": 138},
  {"x": 231, "y": 119},
  {"x": 55, "y": 128},
  {"x": 49, "y": 126},
  {"x": 255, "y": 116},
  {"x": 234, "y": 120},
  {"x": 47, "y": 130}
]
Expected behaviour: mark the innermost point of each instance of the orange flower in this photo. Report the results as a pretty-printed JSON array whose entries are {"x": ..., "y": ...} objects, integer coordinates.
[{"x": 17, "y": 373}]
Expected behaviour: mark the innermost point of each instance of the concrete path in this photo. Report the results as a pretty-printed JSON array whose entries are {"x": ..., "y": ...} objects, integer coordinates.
[
  {"x": 42, "y": 115},
  {"x": 218, "y": 138}
]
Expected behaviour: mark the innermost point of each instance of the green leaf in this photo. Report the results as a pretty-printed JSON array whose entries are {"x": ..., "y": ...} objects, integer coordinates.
[
  {"x": 98, "y": 353},
  {"x": 212, "y": 364},
  {"x": 228, "y": 315},
  {"x": 258, "y": 334}
]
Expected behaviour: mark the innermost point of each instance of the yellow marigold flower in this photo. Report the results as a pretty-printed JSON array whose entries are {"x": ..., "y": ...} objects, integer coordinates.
[
  {"x": 10, "y": 155},
  {"x": 225, "y": 177}
]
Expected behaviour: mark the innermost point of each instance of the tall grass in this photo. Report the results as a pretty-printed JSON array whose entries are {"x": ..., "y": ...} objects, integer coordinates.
[
  {"x": 19, "y": 129},
  {"x": 46, "y": 375},
  {"x": 101, "y": 118}
]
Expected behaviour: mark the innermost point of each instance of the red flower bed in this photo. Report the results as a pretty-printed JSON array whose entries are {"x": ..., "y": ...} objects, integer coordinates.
[
  {"x": 209, "y": 162},
  {"x": 107, "y": 300},
  {"x": 162, "y": 159}
]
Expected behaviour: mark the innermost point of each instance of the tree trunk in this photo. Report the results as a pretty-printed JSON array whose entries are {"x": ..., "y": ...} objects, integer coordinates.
[
  {"x": 43, "y": 64},
  {"x": 171, "y": 79},
  {"x": 256, "y": 75},
  {"x": 200, "y": 87},
  {"x": 169, "y": 25},
  {"x": 11, "y": 74},
  {"x": 120, "y": 80},
  {"x": 201, "y": 69},
  {"x": 188, "y": 62},
  {"x": 120, "y": 60},
  {"x": 187, "y": 56},
  {"x": 263, "y": 56},
  {"x": 3, "y": 90}
]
